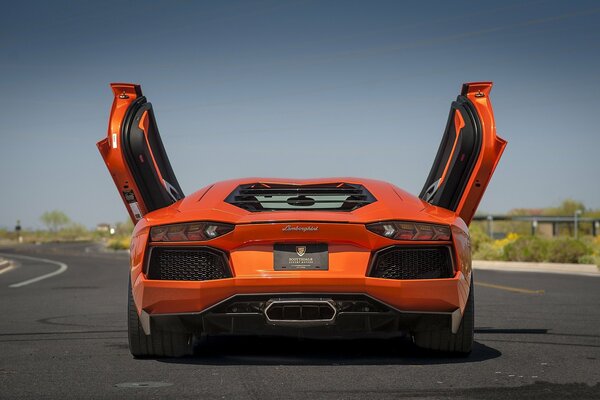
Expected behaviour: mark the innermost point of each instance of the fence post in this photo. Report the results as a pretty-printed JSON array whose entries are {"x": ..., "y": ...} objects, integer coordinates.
[
  {"x": 490, "y": 226},
  {"x": 575, "y": 223}
]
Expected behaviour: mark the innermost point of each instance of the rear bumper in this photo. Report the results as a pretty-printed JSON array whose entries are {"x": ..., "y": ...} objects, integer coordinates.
[
  {"x": 353, "y": 314},
  {"x": 193, "y": 305}
]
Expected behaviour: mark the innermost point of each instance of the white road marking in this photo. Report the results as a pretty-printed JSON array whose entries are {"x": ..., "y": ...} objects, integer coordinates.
[
  {"x": 62, "y": 268},
  {"x": 6, "y": 267}
]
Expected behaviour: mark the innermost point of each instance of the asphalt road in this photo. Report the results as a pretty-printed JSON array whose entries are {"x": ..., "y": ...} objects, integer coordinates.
[{"x": 537, "y": 336}]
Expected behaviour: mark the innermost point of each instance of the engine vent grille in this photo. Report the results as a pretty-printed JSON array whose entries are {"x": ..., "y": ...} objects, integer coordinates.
[
  {"x": 187, "y": 264},
  {"x": 337, "y": 196},
  {"x": 413, "y": 263}
]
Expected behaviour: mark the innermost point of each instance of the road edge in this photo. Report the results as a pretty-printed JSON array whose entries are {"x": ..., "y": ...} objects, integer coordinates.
[
  {"x": 62, "y": 267},
  {"x": 5, "y": 265},
  {"x": 549, "y": 268}
]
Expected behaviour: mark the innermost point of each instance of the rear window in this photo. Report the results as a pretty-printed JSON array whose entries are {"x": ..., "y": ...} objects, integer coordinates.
[{"x": 337, "y": 196}]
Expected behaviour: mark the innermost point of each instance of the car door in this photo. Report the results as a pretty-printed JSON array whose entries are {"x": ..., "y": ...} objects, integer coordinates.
[
  {"x": 468, "y": 153},
  {"x": 135, "y": 156}
]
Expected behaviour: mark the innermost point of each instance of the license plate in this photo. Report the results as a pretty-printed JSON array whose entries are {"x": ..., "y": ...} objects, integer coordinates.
[{"x": 292, "y": 257}]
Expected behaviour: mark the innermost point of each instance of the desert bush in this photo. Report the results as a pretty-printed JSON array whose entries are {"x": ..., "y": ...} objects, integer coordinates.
[
  {"x": 589, "y": 259},
  {"x": 567, "y": 250},
  {"x": 494, "y": 249},
  {"x": 488, "y": 251},
  {"x": 479, "y": 238},
  {"x": 526, "y": 248},
  {"x": 119, "y": 243},
  {"x": 74, "y": 232},
  {"x": 5, "y": 234},
  {"x": 124, "y": 228},
  {"x": 595, "y": 245}
]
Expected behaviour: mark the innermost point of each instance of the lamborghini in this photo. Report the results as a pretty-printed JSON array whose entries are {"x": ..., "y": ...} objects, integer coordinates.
[{"x": 328, "y": 257}]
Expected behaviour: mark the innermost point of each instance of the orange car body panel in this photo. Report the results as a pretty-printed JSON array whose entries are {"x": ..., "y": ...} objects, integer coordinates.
[
  {"x": 250, "y": 250},
  {"x": 249, "y": 247}
]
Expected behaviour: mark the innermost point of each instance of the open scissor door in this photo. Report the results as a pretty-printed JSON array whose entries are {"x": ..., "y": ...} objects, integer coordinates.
[
  {"x": 135, "y": 156},
  {"x": 468, "y": 154}
]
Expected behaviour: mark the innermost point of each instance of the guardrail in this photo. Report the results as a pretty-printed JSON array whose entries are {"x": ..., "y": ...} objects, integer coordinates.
[{"x": 537, "y": 220}]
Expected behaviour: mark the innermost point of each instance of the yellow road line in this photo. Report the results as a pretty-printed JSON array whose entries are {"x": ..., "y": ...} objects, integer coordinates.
[{"x": 509, "y": 288}]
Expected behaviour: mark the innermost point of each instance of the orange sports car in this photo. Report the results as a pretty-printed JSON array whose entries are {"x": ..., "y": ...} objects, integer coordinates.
[{"x": 329, "y": 257}]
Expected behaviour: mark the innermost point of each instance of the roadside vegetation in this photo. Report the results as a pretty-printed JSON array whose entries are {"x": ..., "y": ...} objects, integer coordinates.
[
  {"x": 509, "y": 240},
  {"x": 514, "y": 241},
  {"x": 121, "y": 240},
  {"x": 517, "y": 247},
  {"x": 60, "y": 228}
]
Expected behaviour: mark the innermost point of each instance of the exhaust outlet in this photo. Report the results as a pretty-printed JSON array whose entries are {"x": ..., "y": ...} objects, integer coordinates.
[{"x": 303, "y": 312}]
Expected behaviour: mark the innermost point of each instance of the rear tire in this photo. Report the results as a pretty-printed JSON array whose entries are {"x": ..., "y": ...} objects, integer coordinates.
[
  {"x": 444, "y": 340},
  {"x": 159, "y": 343}
]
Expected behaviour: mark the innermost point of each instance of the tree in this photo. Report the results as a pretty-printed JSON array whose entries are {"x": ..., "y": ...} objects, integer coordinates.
[
  {"x": 55, "y": 220},
  {"x": 125, "y": 228},
  {"x": 566, "y": 208}
]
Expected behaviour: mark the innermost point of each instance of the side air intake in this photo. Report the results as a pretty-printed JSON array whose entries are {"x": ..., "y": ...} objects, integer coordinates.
[
  {"x": 400, "y": 262},
  {"x": 187, "y": 264}
]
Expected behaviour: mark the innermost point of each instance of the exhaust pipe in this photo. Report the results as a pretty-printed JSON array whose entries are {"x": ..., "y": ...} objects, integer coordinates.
[{"x": 300, "y": 312}]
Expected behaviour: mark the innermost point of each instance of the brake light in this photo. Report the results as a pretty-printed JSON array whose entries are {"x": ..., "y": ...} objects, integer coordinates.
[
  {"x": 400, "y": 230},
  {"x": 189, "y": 232}
]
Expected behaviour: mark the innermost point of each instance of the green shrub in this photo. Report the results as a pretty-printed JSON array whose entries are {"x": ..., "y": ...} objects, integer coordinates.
[
  {"x": 527, "y": 248},
  {"x": 567, "y": 250},
  {"x": 488, "y": 251},
  {"x": 73, "y": 232},
  {"x": 557, "y": 250},
  {"x": 594, "y": 244},
  {"x": 589, "y": 259},
  {"x": 479, "y": 238},
  {"x": 119, "y": 243}
]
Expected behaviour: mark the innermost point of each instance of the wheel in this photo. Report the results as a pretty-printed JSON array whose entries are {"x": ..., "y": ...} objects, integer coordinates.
[
  {"x": 159, "y": 343},
  {"x": 444, "y": 340}
]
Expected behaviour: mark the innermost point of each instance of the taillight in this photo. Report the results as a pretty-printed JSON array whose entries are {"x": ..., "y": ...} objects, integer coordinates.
[
  {"x": 400, "y": 230},
  {"x": 189, "y": 232}
]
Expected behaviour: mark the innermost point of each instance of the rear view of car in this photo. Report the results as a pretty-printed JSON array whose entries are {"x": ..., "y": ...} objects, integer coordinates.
[{"x": 329, "y": 257}]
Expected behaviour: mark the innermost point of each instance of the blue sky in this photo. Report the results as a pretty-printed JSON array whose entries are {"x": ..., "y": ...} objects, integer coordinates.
[{"x": 295, "y": 89}]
